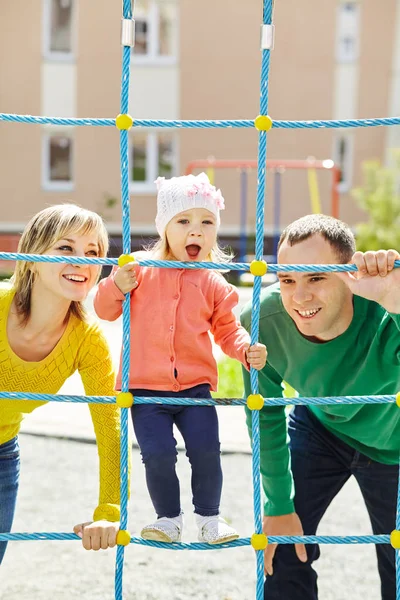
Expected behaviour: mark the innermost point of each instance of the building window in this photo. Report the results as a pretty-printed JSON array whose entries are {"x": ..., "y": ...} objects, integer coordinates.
[
  {"x": 155, "y": 32},
  {"x": 348, "y": 37},
  {"x": 151, "y": 155},
  {"x": 58, "y": 162},
  {"x": 58, "y": 28},
  {"x": 343, "y": 157}
]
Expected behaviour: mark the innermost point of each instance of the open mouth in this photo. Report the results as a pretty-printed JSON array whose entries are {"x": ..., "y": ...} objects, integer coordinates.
[
  {"x": 307, "y": 314},
  {"x": 76, "y": 278},
  {"x": 193, "y": 250}
]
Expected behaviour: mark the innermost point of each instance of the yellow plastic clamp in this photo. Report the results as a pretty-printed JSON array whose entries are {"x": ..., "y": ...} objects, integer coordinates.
[
  {"x": 124, "y": 259},
  {"x": 123, "y": 537},
  {"x": 255, "y": 402},
  {"x": 258, "y": 267},
  {"x": 263, "y": 122},
  {"x": 395, "y": 539},
  {"x": 124, "y": 122},
  {"x": 398, "y": 399},
  {"x": 259, "y": 541},
  {"x": 124, "y": 399}
]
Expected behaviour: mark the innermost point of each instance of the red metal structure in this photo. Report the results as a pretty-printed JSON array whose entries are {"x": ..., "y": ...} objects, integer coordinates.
[{"x": 277, "y": 164}]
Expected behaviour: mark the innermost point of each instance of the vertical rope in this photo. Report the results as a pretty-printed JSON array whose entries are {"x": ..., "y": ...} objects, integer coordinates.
[
  {"x": 126, "y": 242},
  {"x": 259, "y": 251}
]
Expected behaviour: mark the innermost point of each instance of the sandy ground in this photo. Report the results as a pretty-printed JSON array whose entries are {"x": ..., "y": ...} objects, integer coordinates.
[{"x": 59, "y": 488}]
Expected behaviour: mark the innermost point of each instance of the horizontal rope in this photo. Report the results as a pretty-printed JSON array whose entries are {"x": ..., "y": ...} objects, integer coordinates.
[
  {"x": 276, "y": 539},
  {"x": 175, "y": 264},
  {"x": 301, "y": 400},
  {"x": 201, "y": 124}
]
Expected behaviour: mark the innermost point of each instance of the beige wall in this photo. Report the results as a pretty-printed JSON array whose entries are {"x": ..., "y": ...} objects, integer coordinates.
[{"x": 219, "y": 65}]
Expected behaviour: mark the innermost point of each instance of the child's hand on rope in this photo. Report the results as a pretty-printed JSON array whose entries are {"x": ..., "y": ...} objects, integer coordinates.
[
  {"x": 125, "y": 278},
  {"x": 256, "y": 356},
  {"x": 96, "y": 535}
]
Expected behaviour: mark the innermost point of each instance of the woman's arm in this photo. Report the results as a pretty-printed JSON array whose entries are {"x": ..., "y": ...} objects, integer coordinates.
[{"x": 96, "y": 370}]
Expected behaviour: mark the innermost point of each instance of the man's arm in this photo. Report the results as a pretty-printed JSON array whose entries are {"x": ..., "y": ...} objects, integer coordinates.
[
  {"x": 274, "y": 452},
  {"x": 280, "y": 517}
]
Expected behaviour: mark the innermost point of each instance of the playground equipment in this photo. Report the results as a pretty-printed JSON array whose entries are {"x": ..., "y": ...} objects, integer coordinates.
[
  {"x": 277, "y": 167},
  {"x": 258, "y": 268}
]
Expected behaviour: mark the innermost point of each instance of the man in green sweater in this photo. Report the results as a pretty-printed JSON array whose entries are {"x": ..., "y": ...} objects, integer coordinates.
[{"x": 327, "y": 334}]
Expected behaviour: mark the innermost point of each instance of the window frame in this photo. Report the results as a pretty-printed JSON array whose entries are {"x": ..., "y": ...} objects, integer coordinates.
[
  {"x": 51, "y": 55},
  {"x": 343, "y": 32},
  {"x": 152, "y": 57},
  {"x": 148, "y": 187},
  {"x": 47, "y": 183}
]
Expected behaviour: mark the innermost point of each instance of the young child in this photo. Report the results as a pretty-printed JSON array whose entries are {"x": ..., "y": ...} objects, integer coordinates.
[{"x": 172, "y": 313}]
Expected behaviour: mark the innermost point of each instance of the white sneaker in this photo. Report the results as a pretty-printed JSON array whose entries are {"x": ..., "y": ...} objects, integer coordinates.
[
  {"x": 215, "y": 530},
  {"x": 164, "y": 530}
]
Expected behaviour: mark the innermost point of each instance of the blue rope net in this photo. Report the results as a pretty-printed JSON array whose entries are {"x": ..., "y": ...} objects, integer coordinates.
[{"x": 262, "y": 153}]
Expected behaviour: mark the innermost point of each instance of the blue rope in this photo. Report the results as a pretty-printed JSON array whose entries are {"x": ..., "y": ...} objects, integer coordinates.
[
  {"x": 301, "y": 400},
  {"x": 176, "y": 264},
  {"x": 126, "y": 318},
  {"x": 200, "y": 124},
  {"x": 273, "y": 539}
]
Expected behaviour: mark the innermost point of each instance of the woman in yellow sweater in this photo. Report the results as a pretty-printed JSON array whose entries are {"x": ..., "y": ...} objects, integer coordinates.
[{"x": 45, "y": 336}]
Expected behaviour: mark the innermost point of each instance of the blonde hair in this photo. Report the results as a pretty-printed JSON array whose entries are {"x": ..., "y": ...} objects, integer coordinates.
[{"x": 41, "y": 233}]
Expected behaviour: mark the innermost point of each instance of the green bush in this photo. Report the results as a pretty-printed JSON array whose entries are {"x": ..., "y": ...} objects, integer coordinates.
[
  {"x": 379, "y": 196},
  {"x": 230, "y": 382}
]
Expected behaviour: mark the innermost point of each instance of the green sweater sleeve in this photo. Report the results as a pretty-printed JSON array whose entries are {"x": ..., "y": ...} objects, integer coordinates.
[
  {"x": 276, "y": 476},
  {"x": 275, "y": 471}
]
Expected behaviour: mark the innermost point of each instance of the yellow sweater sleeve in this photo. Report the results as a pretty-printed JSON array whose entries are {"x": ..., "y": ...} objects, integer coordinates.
[{"x": 96, "y": 370}]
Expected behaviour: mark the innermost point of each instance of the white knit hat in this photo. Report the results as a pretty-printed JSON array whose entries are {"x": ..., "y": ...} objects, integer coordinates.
[{"x": 178, "y": 194}]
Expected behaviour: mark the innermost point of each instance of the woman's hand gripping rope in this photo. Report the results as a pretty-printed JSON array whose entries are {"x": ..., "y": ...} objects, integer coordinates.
[{"x": 98, "y": 534}]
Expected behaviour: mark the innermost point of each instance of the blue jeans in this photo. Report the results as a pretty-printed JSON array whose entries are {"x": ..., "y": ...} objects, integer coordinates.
[
  {"x": 153, "y": 425},
  {"x": 9, "y": 479},
  {"x": 321, "y": 464}
]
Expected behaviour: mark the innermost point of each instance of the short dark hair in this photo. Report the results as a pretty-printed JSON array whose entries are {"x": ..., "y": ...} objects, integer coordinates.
[{"x": 337, "y": 233}]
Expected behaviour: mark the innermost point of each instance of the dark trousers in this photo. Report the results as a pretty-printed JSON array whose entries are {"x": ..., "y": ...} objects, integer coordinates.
[
  {"x": 321, "y": 464},
  {"x": 153, "y": 425}
]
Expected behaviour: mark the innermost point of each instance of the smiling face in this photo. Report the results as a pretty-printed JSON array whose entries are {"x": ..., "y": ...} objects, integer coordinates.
[
  {"x": 320, "y": 304},
  {"x": 70, "y": 282},
  {"x": 191, "y": 235}
]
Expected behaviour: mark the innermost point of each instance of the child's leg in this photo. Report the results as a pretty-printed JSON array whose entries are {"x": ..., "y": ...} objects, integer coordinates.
[
  {"x": 199, "y": 428},
  {"x": 153, "y": 429}
]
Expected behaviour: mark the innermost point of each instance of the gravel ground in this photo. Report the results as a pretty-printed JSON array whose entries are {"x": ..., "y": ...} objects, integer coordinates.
[{"x": 59, "y": 489}]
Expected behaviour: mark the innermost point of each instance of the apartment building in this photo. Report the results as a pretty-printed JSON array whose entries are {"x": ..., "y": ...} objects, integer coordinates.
[{"x": 192, "y": 60}]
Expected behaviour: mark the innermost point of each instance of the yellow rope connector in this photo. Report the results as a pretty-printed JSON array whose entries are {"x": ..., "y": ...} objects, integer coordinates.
[
  {"x": 124, "y": 122},
  {"x": 124, "y": 259},
  {"x": 263, "y": 122},
  {"x": 124, "y": 399},
  {"x": 259, "y": 541},
  {"x": 395, "y": 539},
  {"x": 258, "y": 267},
  {"x": 398, "y": 399},
  {"x": 123, "y": 537},
  {"x": 255, "y": 402}
]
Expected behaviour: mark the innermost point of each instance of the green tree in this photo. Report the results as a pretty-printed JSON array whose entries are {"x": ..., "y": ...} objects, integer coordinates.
[{"x": 379, "y": 196}]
